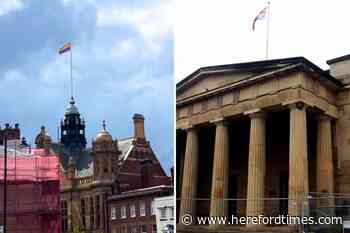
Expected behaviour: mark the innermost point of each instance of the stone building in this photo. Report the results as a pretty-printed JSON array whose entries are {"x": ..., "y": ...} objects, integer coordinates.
[
  {"x": 90, "y": 175},
  {"x": 275, "y": 129}
]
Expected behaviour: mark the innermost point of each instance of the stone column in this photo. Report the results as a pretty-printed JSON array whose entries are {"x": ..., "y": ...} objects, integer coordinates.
[
  {"x": 325, "y": 180},
  {"x": 219, "y": 188},
  {"x": 257, "y": 165},
  {"x": 298, "y": 160},
  {"x": 189, "y": 177}
]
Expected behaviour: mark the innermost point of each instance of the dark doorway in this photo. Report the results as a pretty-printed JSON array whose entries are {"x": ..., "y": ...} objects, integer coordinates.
[
  {"x": 205, "y": 169},
  {"x": 284, "y": 192},
  {"x": 232, "y": 203}
]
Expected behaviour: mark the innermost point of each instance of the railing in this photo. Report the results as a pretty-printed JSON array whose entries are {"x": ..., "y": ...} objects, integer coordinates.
[
  {"x": 313, "y": 213},
  {"x": 269, "y": 207},
  {"x": 329, "y": 205},
  {"x": 85, "y": 180}
]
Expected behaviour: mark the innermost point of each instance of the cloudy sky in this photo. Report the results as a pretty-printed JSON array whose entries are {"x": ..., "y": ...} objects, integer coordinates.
[
  {"x": 216, "y": 32},
  {"x": 122, "y": 64}
]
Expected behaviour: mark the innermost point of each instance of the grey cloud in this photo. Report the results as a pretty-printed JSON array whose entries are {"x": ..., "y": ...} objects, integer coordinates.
[{"x": 28, "y": 34}]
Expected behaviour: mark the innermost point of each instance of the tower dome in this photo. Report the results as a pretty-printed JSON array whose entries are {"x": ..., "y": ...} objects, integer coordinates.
[
  {"x": 72, "y": 109},
  {"x": 73, "y": 129},
  {"x": 42, "y": 138},
  {"x": 104, "y": 135}
]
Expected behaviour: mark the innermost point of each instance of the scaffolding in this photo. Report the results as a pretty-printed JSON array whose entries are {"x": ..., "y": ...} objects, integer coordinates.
[{"x": 32, "y": 191}]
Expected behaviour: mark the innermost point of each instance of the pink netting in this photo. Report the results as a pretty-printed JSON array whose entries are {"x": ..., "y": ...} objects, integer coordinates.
[{"x": 33, "y": 194}]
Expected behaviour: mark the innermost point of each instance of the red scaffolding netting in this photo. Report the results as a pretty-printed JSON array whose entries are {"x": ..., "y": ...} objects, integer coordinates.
[{"x": 33, "y": 192}]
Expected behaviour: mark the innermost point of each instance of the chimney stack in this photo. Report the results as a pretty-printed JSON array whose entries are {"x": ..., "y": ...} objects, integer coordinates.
[{"x": 139, "y": 126}]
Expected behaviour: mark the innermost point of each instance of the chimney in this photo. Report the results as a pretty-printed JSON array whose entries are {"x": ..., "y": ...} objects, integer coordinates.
[
  {"x": 139, "y": 126},
  {"x": 340, "y": 68}
]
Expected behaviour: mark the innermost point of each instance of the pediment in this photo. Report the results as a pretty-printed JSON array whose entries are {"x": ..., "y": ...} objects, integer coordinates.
[
  {"x": 210, "y": 78},
  {"x": 208, "y": 82}
]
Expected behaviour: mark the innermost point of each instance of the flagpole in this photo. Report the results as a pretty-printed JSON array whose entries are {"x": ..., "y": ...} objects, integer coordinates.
[
  {"x": 267, "y": 31},
  {"x": 71, "y": 72}
]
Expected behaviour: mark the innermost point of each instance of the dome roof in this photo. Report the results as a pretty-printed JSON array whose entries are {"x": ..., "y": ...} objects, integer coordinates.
[
  {"x": 42, "y": 136},
  {"x": 104, "y": 136},
  {"x": 71, "y": 109}
]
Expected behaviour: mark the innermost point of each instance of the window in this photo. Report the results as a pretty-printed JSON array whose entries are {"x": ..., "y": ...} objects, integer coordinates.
[
  {"x": 142, "y": 209},
  {"x": 132, "y": 211},
  {"x": 105, "y": 165},
  {"x": 154, "y": 228},
  {"x": 113, "y": 213},
  {"x": 92, "y": 213},
  {"x": 143, "y": 229},
  {"x": 162, "y": 211},
  {"x": 64, "y": 214},
  {"x": 98, "y": 211},
  {"x": 134, "y": 229},
  {"x": 171, "y": 213},
  {"x": 152, "y": 208},
  {"x": 64, "y": 132},
  {"x": 83, "y": 212},
  {"x": 123, "y": 229},
  {"x": 97, "y": 166},
  {"x": 123, "y": 212},
  {"x": 81, "y": 131},
  {"x": 104, "y": 198}
]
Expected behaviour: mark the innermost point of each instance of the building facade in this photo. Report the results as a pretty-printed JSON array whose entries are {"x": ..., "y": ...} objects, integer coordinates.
[
  {"x": 11, "y": 133},
  {"x": 32, "y": 190},
  {"x": 90, "y": 175},
  {"x": 164, "y": 210},
  {"x": 261, "y": 137},
  {"x": 135, "y": 211}
]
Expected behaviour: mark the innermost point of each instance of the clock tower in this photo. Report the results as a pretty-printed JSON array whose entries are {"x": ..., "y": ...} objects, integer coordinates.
[{"x": 73, "y": 129}]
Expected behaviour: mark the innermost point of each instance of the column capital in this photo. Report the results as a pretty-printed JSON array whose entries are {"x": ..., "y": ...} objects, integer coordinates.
[
  {"x": 190, "y": 128},
  {"x": 297, "y": 105},
  {"x": 219, "y": 121},
  {"x": 256, "y": 113},
  {"x": 323, "y": 117}
]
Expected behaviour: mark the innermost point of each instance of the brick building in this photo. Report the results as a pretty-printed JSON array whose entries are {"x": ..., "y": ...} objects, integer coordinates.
[
  {"x": 134, "y": 211},
  {"x": 32, "y": 191},
  {"x": 12, "y": 133},
  {"x": 90, "y": 175}
]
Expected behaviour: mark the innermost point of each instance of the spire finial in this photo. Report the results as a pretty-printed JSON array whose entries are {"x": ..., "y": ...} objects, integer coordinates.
[
  {"x": 104, "y": 125},
  {"x": 72, "y": 100}
]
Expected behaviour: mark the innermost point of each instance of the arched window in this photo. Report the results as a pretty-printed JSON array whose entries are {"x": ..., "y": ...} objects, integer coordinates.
[{"x": 97, "y": 167}]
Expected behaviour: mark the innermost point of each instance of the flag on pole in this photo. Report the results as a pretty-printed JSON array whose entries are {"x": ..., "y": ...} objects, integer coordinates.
[
  {"x": 66, "y": 47},
  {"x": 260, "y": 16}
]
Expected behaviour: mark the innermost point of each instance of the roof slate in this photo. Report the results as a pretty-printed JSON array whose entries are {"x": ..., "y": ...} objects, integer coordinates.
[{"x": 83, "y": 159}]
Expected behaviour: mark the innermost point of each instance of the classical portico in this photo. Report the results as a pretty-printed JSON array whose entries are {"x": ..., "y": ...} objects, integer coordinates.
[{"x": 255, "y": 138}]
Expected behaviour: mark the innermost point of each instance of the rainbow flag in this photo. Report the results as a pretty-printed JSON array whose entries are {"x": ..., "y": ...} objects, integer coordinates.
[
  {"x": 66, "y": 47},
  {"x": 260, "y": 16}
]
